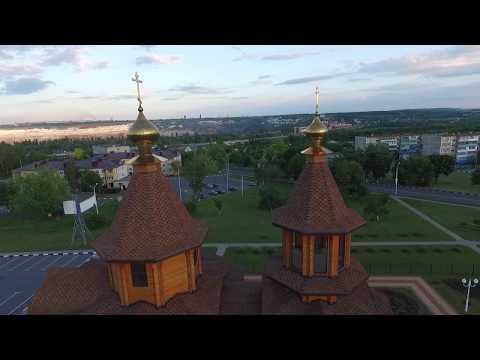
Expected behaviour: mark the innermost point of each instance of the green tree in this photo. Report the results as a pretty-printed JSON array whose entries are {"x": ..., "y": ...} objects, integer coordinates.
[
  {"x": 196, "y": 168},
  {"x": 88, "y": 179},
  {"x": 377, "y": 161},
  {"x": 349, "y": 176},
  {"x": 72, "y": 175},
  {"x": 377, "y": 206},
  {"x": 218, "y": 205},
  {"x": 269, "y": 197},
  {"x": 3, "y": 192},
  {"x": 416, "y": 171},
  {"x": 295, "y": 166},
  {"x": 80, "y": 154},
  {"x": 442, "y": 164},
  {"x": 38, "y": 194}
]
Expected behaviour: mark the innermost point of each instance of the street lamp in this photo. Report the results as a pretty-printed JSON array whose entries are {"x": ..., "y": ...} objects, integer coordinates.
[
  {"x": 468, "y": 284},
  {"x": 95, "y": 195}
]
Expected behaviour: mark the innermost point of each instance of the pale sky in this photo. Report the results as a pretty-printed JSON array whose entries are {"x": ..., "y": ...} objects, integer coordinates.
[{"x": 63, "y": 83}]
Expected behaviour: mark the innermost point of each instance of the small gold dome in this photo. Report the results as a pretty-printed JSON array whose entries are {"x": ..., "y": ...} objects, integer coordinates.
[
  {"x": 316, "y": 127},
  {"x": 143, "y": 130}
]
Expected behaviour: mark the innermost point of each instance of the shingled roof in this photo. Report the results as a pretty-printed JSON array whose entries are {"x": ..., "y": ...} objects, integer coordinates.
[
  {"x": 151, "y": 223},
  {"x": 315, "y": 206}
]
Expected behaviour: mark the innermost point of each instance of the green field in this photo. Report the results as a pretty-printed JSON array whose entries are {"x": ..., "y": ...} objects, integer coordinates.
[
  {"x": 458, "y": 219},
  {"x": 437, "y": 264},
  {"x": 19, "y": 234},
  {"x": 241, "y": 220},
  {"x": 399, "y": 225},
  {"x": 457, "y": 181}
]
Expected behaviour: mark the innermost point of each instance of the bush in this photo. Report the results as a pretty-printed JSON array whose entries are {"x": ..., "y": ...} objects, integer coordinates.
[
  {"x": 269, "y": 198},
  {"x": 421, "y": 250},
  {"x": 359, "y": 236},
  {"x": 370, "y": 250},
  {"x": 456, "y": 250},
  {"x": 403, "y": 235},
  {"x": 405, "y": 251},
  {"x": 417, "y": 234},
  {"x": 191, "y": 207},
  {"x": 438, "y": 251},
  {"x": 387, "y": 251},
  {"x": 476, "y": 177},
  {"x": 94, "y": 221}
]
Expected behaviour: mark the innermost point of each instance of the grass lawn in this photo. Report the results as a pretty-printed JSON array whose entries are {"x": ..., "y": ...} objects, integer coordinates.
[
  {"x": 457, "y": 181},
  {"x": 397, "y": 260},
  {"x": 251, "y": 260},
  {"x": 399, "y": 225},
  {"x": 458, "y": 219},
  {"x": 241, "y": 220},
  {"x": 19, "y": 234}
]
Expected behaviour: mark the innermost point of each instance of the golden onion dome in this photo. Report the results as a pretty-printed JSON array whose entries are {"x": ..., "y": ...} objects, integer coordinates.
[{"x": 316, "y": 132}]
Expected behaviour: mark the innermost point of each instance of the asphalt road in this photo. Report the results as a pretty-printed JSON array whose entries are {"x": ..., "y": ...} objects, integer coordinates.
[
  {"x": 430, "y": 194},
  {"x": 220, "y": 180},
  {"x": 21, "y": 276}
]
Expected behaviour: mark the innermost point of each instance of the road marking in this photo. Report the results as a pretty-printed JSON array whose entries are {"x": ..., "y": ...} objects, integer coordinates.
[
  {"x": 87, "y": 260},
  {"x": 10, "y": 297},
  {"x": 8, "y": 262},
  {"x": 69, "y": 261},
  {"x": 53, "y": 262},
  {"x": 21, "y": 304},
  {"x": 38, "y": 262},
  {"x": 20, "y": 264}
]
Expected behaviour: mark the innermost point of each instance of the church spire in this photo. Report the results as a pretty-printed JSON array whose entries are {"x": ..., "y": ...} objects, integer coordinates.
[
  {"x": 316, "y": 132},
  {"x": 143, "y": 133}
]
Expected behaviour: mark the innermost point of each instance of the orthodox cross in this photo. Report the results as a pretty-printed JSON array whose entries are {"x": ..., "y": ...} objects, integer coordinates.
[
  {"x": 138, "y": 81},
  {"x": 316, "y": 97}
]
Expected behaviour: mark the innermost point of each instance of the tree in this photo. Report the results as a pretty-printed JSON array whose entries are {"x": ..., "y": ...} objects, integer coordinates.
[
  {"x": 196, "y": 168},
  {"x": 416, "y": 171},
  {"x": 38, "y": 194},
  {"x": 3, "y": 192},
  {"x": 442, "y": 164},
  {"x": 80, "y": 154},
  {"x": 218, "y": 205},
  {"x": 377, "y": 205},
  {"x": 88, "y": 179},
  {"x": 349, "y": 176},
  {"x": 295, "y": 166},
  {"x": 72, "y": 175},
  {"x": 377, "y": 160},
  {"x": 476, "y": 177},
  {"x": 269, "y": 197}
]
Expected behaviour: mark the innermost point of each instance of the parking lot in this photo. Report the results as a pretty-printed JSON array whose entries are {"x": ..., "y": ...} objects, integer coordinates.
[{"x": 22, "y": 274}]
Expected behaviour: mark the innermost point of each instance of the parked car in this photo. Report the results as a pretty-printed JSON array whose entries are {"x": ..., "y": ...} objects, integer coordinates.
[
  {"x": 215, "y": 185},
  {"x": 232, "y": 188},
  {"x": 221, "y": 191},
  {"x": 212, "y": 193},
  {"x": 210, "y": 186}
]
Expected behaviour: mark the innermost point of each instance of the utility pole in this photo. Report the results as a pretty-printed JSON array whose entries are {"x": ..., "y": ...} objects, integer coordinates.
[
  {"x": 396, "y": 174},
  {"x": 242, "y": 186},
  {"x": 179, "y": 183}
]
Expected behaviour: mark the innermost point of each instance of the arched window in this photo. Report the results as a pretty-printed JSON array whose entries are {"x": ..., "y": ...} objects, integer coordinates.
[{"x": 321, "y": 254}]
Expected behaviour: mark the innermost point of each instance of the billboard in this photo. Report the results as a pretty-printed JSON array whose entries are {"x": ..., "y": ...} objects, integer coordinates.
[{"x": 69, "y": 207}]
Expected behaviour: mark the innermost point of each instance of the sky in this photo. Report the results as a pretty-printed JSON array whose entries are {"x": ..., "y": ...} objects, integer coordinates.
[{"x": 71, "y": 83}]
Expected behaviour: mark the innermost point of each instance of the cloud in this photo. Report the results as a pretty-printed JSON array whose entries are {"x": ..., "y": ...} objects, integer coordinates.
[
  {"x": 308, "y": 79},
  {"x": 158, "y": 59},
  {"x": 123, "y": 97},
  {"x": 72, "y": 92},
  {"x": 359, "y": 79},
  {"x": 75, "y": 56},
  {"x": 450, "y": 62},
  {"x": 25, "y": 86},
  {"x": 8, "y": 71},
  {"x": 239, "y": 98},
  {"x": 195, "y": 89},
  {"x": 289, "y": 55},
  {"x": 262, "y": 80}
]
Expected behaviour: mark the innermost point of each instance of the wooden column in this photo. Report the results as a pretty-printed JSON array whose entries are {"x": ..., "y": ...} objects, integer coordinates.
[
  {"x": 156, "y": 285},
  {"x": 287, "y": 244},
  {"x": 190, "y": 270},
  {"x": 124, "y": 275},
  {"x": 306, "y": 255},
  {"x": 311, "y": 251},
  {"x": 348, "y": 248},
  {"x": 333, "y": 255},
  {"x": 199, "y": 260}
]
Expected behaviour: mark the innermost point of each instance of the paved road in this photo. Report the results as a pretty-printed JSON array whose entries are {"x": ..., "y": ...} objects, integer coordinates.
[
  {"x": 430, "y": 194},
  {"x": 22, "y": 274}
]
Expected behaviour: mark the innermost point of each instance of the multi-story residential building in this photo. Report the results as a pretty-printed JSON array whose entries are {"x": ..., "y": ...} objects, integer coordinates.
[
  {"x": 408, "y": 145},
  {"x": 362, "y": 142},
  {"x": 466, "y": 149},
  {"x": 438, "y": 144}
]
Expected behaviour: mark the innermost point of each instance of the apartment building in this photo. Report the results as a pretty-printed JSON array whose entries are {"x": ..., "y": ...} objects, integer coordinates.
[{"x": 438, "y": 144}]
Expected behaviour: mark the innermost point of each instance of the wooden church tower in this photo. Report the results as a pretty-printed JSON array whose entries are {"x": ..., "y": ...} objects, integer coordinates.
[{"x": 315, "y": 264}]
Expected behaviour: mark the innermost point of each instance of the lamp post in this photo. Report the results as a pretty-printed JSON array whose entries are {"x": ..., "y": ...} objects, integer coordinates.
[
  {"x": 95, "y": 195},
  {"x": 468, "y": 284}
]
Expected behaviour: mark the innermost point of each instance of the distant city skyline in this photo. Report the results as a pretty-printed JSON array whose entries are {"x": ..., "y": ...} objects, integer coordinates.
[{"x": 40, "y": 83}]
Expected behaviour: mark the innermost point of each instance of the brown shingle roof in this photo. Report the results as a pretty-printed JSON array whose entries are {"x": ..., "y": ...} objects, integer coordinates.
[
  {"x": 315, "y": 205},
  {"x": 343, "y": 284},
  {"x": 86, "y": 290},
  {"x": 151, "y": 223},
  {"x": 278, "y": 299}
]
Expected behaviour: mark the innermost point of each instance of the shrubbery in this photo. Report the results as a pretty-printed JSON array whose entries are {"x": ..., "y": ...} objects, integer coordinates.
[
  {"x": 95, "y": 221},
  {"x": 191, "y": 207}
]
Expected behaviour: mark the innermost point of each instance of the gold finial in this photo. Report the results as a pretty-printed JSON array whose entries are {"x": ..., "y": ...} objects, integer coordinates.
[
  {"x": 315, "y": 131},
  {"x": 142, "y": 132},
  {"x": 136, "y": 78}
]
